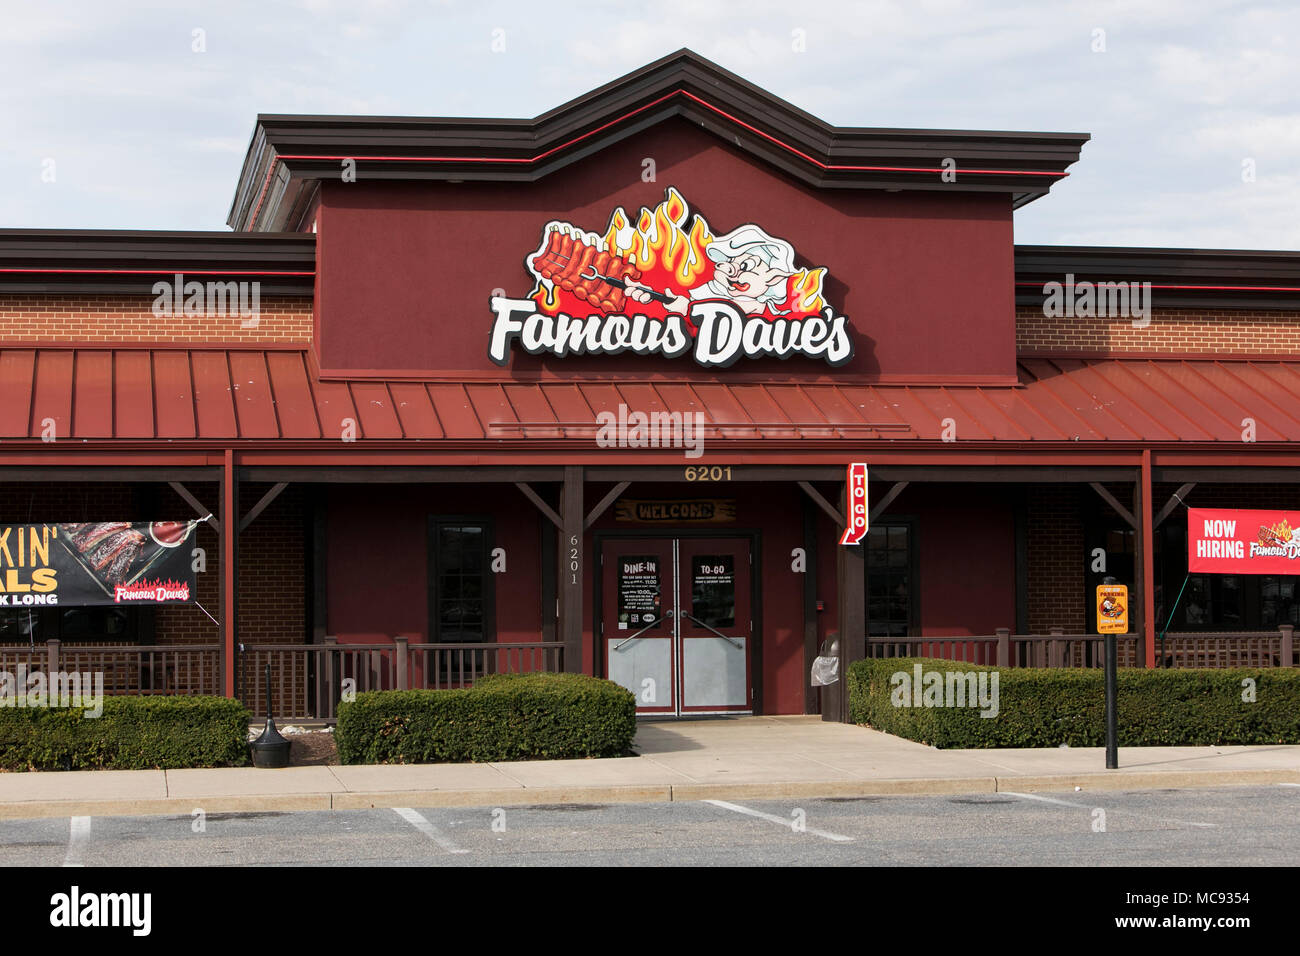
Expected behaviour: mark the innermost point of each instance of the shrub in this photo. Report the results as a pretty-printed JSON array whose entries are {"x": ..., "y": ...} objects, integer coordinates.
[
  {"x": 132, "y": 733},
  {"x": 502, "y": 717},
  {"x": 1049, "y": 707}
]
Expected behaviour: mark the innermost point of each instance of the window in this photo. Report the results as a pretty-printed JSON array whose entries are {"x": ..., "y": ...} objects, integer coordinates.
[
  {"x": 892, "y": 590},
  {"x": 71, "y": 624},
  {"x": 460, "y": 581}
]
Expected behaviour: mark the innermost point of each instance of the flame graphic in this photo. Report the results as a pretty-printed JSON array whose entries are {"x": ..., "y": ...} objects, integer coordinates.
[{"x": 669, "y": 255}]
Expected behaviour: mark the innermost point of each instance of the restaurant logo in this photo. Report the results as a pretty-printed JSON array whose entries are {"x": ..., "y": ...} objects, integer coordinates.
[{"x": 664, "y": 284}]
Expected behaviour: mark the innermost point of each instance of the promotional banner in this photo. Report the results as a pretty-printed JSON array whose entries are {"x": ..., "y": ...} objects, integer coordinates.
[
  {"x": 96, "y": 562},
  {"x": 1229, "y": 541}
]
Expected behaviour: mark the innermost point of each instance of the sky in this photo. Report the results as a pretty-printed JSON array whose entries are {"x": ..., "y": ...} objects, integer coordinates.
[{"x": 137, "y": 115}]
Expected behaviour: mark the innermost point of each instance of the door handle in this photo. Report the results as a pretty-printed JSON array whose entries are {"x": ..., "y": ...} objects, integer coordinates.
[
  {"x": 711, "y": 630},
  {"x": 633, "y": 637}
]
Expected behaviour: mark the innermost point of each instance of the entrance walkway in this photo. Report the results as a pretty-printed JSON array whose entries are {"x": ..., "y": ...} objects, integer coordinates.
[
  {"x": 718, "y": 758},
  {"x": 796, "y": 751}
]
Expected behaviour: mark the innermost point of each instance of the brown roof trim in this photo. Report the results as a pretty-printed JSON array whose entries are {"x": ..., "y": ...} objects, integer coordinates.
[
  {"x": 78, "y": 261},
  {"x": 288, "y": 152},
  {"x": 1180, "y": 278}
]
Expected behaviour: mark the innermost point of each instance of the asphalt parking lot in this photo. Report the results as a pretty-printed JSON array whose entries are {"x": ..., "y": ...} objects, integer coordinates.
[{"x": 1238, "y": 826}]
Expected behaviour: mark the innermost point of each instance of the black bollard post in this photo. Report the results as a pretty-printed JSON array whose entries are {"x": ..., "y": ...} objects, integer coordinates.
[
  {"x": 1112, "y": 708},
  {"x": 271, "y": 749}
]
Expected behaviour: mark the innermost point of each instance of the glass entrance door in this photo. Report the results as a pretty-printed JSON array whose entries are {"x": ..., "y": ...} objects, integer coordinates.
[{"x": 677, "y": 623}]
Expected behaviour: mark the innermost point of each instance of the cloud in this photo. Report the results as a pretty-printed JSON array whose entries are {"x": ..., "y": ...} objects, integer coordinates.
[{"x": 150, "y": 134}]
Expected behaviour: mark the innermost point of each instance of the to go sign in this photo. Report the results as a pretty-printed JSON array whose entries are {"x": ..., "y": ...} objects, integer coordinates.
[{"x": 856, "y": 519}]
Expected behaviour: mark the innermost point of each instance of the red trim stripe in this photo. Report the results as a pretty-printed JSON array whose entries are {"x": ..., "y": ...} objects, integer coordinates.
[
  {"x": 1208, "y": 288},
  {"x": 160, "y": 272},
  {"x": 505, "y": 160}
]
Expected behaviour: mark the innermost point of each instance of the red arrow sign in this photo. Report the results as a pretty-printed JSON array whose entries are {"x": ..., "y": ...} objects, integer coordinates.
[{"x": 856, "y": 519}]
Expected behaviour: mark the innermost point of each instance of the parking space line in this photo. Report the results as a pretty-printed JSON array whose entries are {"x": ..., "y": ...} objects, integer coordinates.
[
  {"x": 779, "y": 821},
  {"x": 78, "y": 835},
  {"x": 418, "y": 821},
  {"x": 1034, "y": 796},
  {"x": 1085, "y": 806}
]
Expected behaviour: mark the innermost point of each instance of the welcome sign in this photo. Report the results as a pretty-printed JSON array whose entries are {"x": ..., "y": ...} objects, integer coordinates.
[{"x": 664, "y": 284}]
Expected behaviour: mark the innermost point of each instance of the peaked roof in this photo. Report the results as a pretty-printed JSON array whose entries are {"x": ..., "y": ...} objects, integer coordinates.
[{"x": 289, "y": 154}]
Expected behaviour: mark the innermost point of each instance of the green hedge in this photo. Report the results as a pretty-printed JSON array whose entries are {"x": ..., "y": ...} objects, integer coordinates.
[
  {"x": 1040, "y": 707},
  {"x": 132, "y": 733},
  {"x": 502, "y": 717}
]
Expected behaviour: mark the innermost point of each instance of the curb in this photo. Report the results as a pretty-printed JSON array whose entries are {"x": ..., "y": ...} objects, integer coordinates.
[{"x": 551, "y": 796}]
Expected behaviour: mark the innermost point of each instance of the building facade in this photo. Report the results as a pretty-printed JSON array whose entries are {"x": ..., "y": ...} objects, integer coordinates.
[{"x": 581, "y": 392}]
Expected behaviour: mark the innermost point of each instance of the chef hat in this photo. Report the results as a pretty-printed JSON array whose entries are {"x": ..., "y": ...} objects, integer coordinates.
[{"x": 775, "y": 252}]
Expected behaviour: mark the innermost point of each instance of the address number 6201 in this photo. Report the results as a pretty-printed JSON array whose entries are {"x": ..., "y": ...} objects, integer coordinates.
[{"x": 708, "y": 473}]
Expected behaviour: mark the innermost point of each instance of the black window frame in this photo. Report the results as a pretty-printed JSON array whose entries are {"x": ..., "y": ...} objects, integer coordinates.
[
  {"x": 433, "y": 527},
  {"x": 49, "y": 621},
  {"x": 912, "y": 525}
]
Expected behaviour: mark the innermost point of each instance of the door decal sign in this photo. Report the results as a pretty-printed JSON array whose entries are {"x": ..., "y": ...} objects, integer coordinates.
[
  {"x": 856, "y": 520},
  {"x": 664, "y": 284}
]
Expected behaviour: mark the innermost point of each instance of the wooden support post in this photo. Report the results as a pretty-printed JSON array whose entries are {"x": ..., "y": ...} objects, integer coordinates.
[
  {"x": 263, "y": 504},
  {"x": 810, "y": 648},
  {"x": 1147, "y": 556},
  {"x": 229, "y": 572},
  {"x": 571, "y": 568},
  {"x": 1055, "y": 657},
  {"x": 319, "y": 568},
  {"x": 332, "y": 679},
  {"x": 1110, "y": 499},
  {"x": 51, "y": 661},
  {"x": 400, "y": 662},
  {"x": 1004, "y": 646},
  {"x": 851, "y": 584},
  {"x": 1286, "y": 655}
]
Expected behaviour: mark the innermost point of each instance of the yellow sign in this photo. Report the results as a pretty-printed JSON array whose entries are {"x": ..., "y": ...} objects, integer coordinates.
[{"x": 1112, "y": 609}]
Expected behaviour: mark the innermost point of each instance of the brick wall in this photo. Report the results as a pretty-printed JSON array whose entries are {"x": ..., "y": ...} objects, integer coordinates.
[
  {"x": 1170, "y": 330},
  {"x": 288, "y": 319},
  {"x": 129, "y": 318},
  {"x": 1056, "y": 558}
]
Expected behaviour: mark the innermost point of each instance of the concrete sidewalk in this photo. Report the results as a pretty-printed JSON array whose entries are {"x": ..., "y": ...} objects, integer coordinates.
[{"x": 748, "y": 757}]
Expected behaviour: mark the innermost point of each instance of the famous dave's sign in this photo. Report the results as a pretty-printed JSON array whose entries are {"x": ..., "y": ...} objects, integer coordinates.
[
  {"x": 96, "y": 562},
  {"x": 664, "y": 284},
  {"x": 1222, "y": 541}
]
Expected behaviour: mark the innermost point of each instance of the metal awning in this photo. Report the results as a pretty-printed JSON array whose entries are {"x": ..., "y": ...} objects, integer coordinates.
[{"x": 224, "y": 395}]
